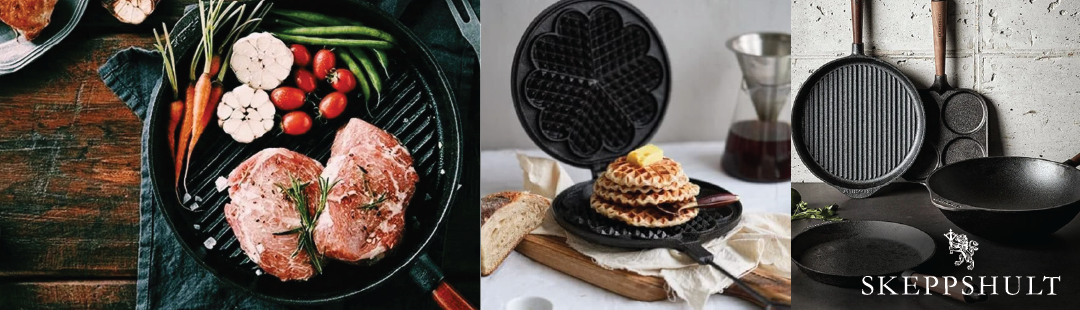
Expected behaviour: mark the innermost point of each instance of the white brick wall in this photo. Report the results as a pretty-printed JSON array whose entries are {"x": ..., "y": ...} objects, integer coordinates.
[{"x": 1023, "y": 55}]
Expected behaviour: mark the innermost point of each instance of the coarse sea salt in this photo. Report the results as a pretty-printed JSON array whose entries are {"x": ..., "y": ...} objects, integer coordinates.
[
  {"x": 221, "y": 183},
  {"x": 210, "y": 243}
]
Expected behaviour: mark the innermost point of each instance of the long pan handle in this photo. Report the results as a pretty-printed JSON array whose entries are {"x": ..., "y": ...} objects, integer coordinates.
[
  {"x": 856, "y": 22},
  {"x": 954, "y": 291},
  {"x": 701, "y": 255},
  {"x": 938, "y": 10},
  {"x": 430, "y": 278}
]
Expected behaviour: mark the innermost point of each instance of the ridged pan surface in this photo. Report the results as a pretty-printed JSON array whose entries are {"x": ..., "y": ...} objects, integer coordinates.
[
  {"x": 416, "y": 106},
  {"x": 573, "y": 212},
  {"x": 859, "y": 124},
  {"x": 590, "y": 81}
]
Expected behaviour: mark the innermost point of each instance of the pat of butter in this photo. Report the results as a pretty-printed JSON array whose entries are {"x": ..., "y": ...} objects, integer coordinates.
[{"x": 645, "y": 155}]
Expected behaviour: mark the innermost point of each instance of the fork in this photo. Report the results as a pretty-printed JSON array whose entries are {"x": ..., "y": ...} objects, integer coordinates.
[{"x": 471, "y": 29}]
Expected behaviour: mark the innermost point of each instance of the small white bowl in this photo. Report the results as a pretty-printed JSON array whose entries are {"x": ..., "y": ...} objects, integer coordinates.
[{"x": 529, "y": 303}]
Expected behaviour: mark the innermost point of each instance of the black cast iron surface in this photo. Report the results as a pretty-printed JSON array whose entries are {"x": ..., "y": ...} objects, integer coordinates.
[
  {"x": 573, "y": 212},
  {"x": 909, "y": 204},
  {"x": 841, "y": 253},
  {"x": 590, "y": 81},
  {"x": 416, "y": 106},
  {"x": 857, "y": 122}
]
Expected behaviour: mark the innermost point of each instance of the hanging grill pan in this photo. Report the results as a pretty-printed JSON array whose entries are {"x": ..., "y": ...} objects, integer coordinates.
[{"x": 858, "y": 122}]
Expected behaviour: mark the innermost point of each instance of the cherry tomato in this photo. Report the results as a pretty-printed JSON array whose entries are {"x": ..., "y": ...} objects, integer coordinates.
[
  {"x": 305, "y": 80},
  {"x": 300, "y": 55},
  {"x": 296, "y": 123},
  {"x": 342, "y": 80},
  {"x": 333, "y": 105},
  {"x": 324, "y": 63},
  {"x": 287, "y": 98}
]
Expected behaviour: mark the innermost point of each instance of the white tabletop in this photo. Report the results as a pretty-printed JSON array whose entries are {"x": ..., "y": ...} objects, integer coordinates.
[{"x": 520, "y": 277}]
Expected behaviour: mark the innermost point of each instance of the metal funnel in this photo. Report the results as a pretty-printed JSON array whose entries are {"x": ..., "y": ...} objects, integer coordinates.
[{"x": 765, "y": 60}]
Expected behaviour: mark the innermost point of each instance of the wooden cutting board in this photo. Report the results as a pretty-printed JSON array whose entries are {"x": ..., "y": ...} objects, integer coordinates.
[{"x": 555, "y": 253}]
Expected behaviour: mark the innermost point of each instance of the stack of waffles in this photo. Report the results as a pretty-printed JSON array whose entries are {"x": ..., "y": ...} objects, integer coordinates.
[{"x": 657, "y": 194}]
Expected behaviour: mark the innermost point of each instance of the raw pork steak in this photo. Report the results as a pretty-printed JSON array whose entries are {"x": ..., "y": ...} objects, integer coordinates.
[
  {"x": 259, "y": 209},
  {"x": 365, "y": 212}
]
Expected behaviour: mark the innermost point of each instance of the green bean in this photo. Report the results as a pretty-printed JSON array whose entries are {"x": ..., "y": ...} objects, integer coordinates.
[
  {"x": 361, "y": 81},
  {"x": 339, "y": 30},
  {"x": 313, "y": 17},
  {"x": 285, "y": 22},
  {"x": 384, "y": 61},
  {"x": 369, "y": 68},
  {"x": 376, "y": 44}
]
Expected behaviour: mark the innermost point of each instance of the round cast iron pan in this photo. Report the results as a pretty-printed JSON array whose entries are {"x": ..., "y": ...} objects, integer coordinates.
[
  {"x": 956, "y": 118},
  {"x": 842, "y": 253},
  {"x": 573, "y": 212},
  {"x": 590, "y": 81},
  {"x": 858, "y": 122},
  {"x": 1007, "y": 197},
  {"x": 417, "y": 106}
]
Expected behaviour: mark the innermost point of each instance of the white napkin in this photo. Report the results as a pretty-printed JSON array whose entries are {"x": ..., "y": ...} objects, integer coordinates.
[{"x": 760, "y": 239}]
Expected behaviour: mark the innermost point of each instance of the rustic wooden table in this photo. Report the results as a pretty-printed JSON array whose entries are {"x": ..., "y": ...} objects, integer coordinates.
[{"x": 69, "y": 172}]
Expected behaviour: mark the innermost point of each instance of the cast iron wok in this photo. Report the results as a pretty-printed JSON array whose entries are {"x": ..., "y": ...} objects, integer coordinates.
[
  {"x": 1007, "y": 197},
  {"x": 842, "y": 253},
  {"x": 417, "y": 106}
]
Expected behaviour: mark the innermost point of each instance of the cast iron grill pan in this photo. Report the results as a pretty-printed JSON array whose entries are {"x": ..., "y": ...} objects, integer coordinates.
[
  {"x": 590, "y": 81},
  {"x": 416, "y": 106},
  {"x": 858, "y": 122},
  {"x": 956, "y": 117}
]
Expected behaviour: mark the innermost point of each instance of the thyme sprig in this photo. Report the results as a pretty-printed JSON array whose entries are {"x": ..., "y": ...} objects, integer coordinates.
[{"x": 306, "y": 241}]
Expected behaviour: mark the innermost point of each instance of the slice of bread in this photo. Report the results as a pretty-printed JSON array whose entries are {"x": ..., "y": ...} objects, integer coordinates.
[{"x": 505, "y": 219}]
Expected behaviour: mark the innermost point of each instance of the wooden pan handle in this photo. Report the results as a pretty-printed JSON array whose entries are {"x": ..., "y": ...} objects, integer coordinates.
[
  {"x": 856, "y": 21},
  {"x": 938, "y": 10},
  {"x": 954, "y": 292},
  {"x": 774, "y": 287},
  {"x": 449, "y": 299},
  {"x": 1075, "y": 161},
  {"x": 717, "y": 200},
  {"x": 429, "y": 277}
]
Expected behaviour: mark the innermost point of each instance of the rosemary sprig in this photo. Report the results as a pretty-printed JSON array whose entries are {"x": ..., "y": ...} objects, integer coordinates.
[
  {"x": 374, "y": 204},
  {"x": 306, "y": 242}
]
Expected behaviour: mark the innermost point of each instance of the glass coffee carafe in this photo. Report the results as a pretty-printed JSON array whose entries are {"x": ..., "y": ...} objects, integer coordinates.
[{"x": 759, "y": 142}]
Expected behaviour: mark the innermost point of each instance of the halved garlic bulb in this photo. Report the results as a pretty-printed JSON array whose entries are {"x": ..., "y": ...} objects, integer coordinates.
[
  {"x": 261, "y": 60},
  {"x": 246, "y": 113}
]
